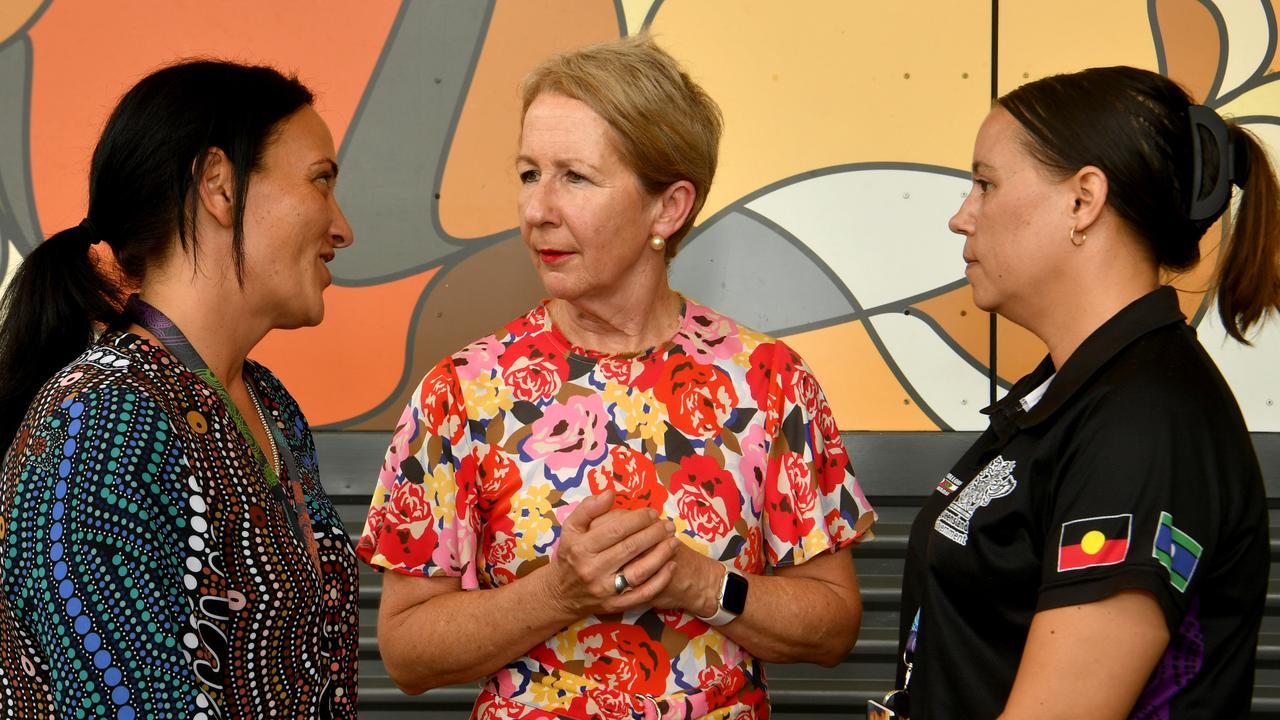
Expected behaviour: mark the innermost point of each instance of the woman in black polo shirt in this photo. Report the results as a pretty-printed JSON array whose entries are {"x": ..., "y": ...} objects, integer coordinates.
[{"x": 1101, "y": 550}]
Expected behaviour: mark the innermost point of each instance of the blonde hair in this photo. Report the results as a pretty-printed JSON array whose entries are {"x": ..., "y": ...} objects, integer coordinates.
[{"x": 668, "y": 128}]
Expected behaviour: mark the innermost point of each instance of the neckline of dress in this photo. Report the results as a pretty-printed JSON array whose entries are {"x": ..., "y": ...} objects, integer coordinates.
[{"x": 588, "y": 355}]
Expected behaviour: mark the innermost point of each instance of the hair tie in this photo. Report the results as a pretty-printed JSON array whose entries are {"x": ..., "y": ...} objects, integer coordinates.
[
  {"x": 90, "y": 232},
  {"x": 1233, "y": 165}
]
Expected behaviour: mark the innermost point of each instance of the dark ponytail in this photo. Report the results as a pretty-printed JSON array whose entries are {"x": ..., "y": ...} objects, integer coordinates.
[
  {"x": 1170, "y": 166},
  {"x": 50, "y": 310},
  {"x": 1249, "y": 270},
  {"x": 142, "y": 197}
]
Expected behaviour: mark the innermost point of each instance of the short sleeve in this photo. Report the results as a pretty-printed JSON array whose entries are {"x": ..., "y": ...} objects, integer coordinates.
[
  {"x": 813, "y": 503},
  {"x": 422, "y": 519},
  {"x": 99, "y": 498},
  {"x": 1138, "y": 505}
]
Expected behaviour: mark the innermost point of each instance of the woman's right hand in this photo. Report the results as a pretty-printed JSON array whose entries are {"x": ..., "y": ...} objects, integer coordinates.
[{"x": 596, "y": 543}]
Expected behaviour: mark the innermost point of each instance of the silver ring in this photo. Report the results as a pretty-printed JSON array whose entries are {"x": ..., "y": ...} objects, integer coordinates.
[{"x": 620, "y": 583}]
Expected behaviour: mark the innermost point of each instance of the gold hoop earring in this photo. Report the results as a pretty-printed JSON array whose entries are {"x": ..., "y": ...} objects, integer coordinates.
[
  {"x": 1083, "y": 237},
  {"x": 657, "y": 243}
]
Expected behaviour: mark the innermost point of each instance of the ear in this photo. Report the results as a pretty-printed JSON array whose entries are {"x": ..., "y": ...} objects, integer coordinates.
[
  {"x": 216, "y": 186},
  {"x": 1089, "y": 187},
  {"x": 673, "y": 208}
]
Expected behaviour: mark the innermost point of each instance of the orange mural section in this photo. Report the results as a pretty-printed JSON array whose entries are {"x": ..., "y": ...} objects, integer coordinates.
[
  {"x": 863, "y": 391},
  {"x": 352, "y": 360},
  {"x": 965, "y": 323},
  {"x": 87, "y": 53},
  {"x": 1191, "y": 44},
  {"x": 1018, "y": 350},
  {"x": 478, "y": 190}
]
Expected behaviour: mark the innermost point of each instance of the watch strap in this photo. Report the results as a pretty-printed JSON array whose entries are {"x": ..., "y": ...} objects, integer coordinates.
[{"x": 722, "y": 615}]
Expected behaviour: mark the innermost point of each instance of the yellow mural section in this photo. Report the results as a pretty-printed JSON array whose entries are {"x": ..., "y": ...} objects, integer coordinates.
[
  {"x": 832, "y": 83},
  {"x": 1044, "y": 38},
  {"x": 14, "y": 14}
]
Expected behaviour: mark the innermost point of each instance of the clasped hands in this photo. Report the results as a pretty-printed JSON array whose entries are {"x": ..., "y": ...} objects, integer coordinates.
[{"x": 598, "y": 543}]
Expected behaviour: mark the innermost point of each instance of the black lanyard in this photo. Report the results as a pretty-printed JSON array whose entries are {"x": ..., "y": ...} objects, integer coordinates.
[{"x": 289, "y": 493}]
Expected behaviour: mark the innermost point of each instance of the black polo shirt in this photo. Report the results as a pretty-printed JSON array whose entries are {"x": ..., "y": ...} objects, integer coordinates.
[{"x": 1130, "y": 468}]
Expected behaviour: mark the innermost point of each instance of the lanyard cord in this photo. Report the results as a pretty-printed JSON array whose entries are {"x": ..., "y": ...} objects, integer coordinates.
[{"x": 292, "y": 499}]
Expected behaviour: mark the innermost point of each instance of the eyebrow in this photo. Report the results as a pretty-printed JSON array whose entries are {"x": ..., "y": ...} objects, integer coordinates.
[
  {"x": 559, "y": 163},
  {"x": 977, "y": 166},
  {"x": 333, "y": 166}
]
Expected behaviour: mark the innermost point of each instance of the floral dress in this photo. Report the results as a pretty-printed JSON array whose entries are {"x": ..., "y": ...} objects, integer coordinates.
[
  {"x": 145, "y": 569},
  {"x": 723, "y": 430}
]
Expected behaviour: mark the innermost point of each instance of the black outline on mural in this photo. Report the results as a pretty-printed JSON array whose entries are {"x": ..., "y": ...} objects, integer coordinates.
[
  {"x": 398, "y": 394},
  {"x": 21, "y": 30},
  {"x": 1224, "y": 51},
  {"x": 10, "y": 232},
  {"x": 651, "y": 15},
  {"x": 860, "y": 314},
  {"x": 620, "y": 14},
  {"x": 1259, "y": 77},
  {"x": 465, "y": 246},
  {"x": 372, "y": 82}
]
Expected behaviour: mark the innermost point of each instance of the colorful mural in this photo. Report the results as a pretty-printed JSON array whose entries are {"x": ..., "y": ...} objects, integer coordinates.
[{"x": 848, "y": 134}]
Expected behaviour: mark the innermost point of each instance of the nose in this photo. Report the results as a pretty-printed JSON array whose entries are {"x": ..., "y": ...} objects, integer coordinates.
[
  {"x": 962, "y": 222},
  {"x": 340, "y": 232},
  {"x": 537, "y": 206}
]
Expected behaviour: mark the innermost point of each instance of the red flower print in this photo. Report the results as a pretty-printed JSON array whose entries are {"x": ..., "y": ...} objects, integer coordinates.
[
  {"x": 496, "y": 707},
  {"x": 624, "y": 657},
  {"x": 534, "y": 367},
  {"x": 608, "y": 703},
  {"x": 698, "y": 508},
  {"x": 408, "y": 534},
  {"x": 502, "y": 550},
  {"x": 440, "y": 398},
  {"x": 749, "y": 559},
  {"x": 408, "y": 503},
  {"x": 803, "y": 390},
  {"x": 832, "y": 460},
  {"x": 526, "y": 324},
  {"x": 497, "y": 479},
  {"x": 699, "y": 398},
  {"x": 707, "y": 497},
  {"x": 632, "y": 477},
  {"x": 761, "y": 377},
  {"x": 790, "y": 499},
  {"x": 721, "y": 684},
  {"x": 706, "y": 474}
]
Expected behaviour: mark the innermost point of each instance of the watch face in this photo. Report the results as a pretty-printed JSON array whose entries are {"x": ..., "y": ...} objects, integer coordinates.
[{"x": 735, "y": 593}]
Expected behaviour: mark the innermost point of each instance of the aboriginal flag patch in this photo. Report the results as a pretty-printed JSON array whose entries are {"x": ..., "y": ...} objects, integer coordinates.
[
  {"x": 1094, "y": 541},
  {"x": 1177, "y": 551}
]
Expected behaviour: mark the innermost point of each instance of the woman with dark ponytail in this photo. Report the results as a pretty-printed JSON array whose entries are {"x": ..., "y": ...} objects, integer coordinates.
[
  {"x": 1101, "y": 551},
  {"x": 166, "y": 549}
]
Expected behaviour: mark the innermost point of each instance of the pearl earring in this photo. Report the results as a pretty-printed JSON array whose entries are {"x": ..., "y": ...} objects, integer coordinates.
[{"x": 657, "y": 243}]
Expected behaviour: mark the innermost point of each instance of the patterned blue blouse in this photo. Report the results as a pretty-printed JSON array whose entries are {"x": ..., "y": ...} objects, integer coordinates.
[{"x": 147, "y": 571}]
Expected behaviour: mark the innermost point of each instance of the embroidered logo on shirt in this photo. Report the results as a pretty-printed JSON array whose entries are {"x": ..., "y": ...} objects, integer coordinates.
[
  {"x": 1177, "y": 551},
  {"x": 1095, "y": 541},
  {"x": 948, "y": 484},
  {"x": 995, "y": 481}
]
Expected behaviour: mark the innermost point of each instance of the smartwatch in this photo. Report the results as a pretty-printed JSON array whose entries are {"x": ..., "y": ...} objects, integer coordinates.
[{"x": 732, "y": 600}]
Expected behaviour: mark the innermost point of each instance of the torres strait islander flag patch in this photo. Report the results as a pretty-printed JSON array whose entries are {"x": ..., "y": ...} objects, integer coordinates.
[
  {"x": 1177, "y": 551},
  {"x": 1095, "y": 541}
]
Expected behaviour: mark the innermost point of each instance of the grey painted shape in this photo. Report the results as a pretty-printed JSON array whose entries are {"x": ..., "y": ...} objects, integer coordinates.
[
  {"x": 756, "y": 275},
  {"x": 18, "y": 221},
  {"x": 394, "y": 152}
]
